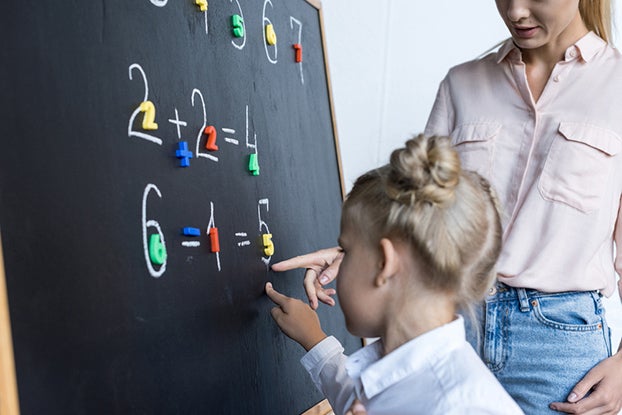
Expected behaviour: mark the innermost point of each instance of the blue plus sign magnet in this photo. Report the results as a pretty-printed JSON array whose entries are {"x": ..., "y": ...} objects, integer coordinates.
[{"x": 183, "y": 154}]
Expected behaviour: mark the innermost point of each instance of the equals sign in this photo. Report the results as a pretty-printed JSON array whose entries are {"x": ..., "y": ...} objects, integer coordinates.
[
  {"x": 230, "y": 140},
  {"x": 191, "y": 232},
  {"x": 243, "y": 235}
]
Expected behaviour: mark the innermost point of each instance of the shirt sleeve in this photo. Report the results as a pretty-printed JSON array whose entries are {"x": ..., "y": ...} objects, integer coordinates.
[
  {"x": 617, "y": 236},
  {"x": 441, "y": 119},
  {"x": 325, "y": 362}
]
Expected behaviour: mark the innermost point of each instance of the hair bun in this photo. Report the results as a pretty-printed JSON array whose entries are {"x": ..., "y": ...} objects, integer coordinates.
[{"x": 426, "y": 170}]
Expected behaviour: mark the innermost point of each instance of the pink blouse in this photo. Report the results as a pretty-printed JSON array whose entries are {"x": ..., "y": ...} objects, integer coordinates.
[{"x": 556, "y": 164}]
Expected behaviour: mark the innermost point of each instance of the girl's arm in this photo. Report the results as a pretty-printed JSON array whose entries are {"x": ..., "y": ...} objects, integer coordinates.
[{"x": 325, "y": 360}]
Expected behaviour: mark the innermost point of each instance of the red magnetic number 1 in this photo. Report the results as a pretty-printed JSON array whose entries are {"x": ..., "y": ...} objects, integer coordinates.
[
  {"x": 210, "y": 131},
  {"x": 298, "y": 48}
]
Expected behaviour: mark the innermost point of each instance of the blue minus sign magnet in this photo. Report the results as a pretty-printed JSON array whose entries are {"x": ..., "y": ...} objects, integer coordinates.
[{"x": 191, "y": 231}]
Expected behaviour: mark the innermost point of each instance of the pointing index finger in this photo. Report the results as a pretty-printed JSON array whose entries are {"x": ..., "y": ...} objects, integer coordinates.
[{"x": 274, "y": 295}]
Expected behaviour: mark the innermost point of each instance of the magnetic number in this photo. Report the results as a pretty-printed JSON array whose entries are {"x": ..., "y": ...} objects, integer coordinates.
[
  {"x": 157, "y": 250},
  {"x": 243, "y": 32},
  {"x": 155, "y": 247},
  {"x": 270, "y": 35},
  {"x": 202, "y": 4},
  {"x": 210, "y": 131},
  {"x": 266, "y": 23},
  {"x": 268, "y": 245},
  {"x": 149, "y": 111}
]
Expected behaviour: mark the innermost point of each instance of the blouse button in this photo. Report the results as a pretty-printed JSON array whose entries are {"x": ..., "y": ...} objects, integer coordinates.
[{"x": 556, "y": 78}]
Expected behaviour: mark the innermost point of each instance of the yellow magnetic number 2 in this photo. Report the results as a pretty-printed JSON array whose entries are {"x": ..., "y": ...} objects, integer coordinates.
[
  {"x": 149, "y": 118},
  {"x": 270, "y": 35},
  {"x": 202, "y": 4}
]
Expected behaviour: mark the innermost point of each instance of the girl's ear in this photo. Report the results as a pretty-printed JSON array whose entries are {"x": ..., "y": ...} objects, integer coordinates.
[{"x": 389, "y": 262}]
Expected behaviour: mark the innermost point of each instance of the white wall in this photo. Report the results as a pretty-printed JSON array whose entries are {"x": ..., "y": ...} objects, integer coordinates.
[{"x": 386, "y": 61}]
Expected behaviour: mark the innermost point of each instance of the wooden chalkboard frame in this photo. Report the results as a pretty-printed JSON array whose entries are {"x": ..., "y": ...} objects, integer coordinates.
[
  {"x": 8, "y": 383},
  {"x": 9, "y": 402}
]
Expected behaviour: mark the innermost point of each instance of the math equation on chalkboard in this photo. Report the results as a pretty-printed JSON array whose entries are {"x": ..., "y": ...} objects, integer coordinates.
[{"x": 200, "y": 139}]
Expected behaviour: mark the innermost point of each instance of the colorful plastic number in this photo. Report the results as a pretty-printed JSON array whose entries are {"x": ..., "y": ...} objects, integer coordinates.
[
  {"x": 157, "y": 250},
  {"x": 270, "y": 35},
  {"x": 268, "y": 244},
  {"x": 214, "y": 240},
  {"x": 149, "y": 118},
  {"x": 210, "y": 131},
  {"x": 202, "y": 4},
  {"x": 253, "y": 164},
  {"x": 238, "y": 25},
  {"x": 298, "y": 48}
]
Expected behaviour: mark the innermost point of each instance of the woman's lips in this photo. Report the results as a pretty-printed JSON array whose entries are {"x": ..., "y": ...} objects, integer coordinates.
[{"x": 525, "y": 32}]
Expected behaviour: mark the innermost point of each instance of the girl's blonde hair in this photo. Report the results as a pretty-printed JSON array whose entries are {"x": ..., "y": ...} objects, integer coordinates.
[
  {"x": 596, "y": 15},
  {"x": 448, "y": 215}
]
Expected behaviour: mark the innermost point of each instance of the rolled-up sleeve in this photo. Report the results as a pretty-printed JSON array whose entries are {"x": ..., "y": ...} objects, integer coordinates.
[{"x": 326, "y": 364}]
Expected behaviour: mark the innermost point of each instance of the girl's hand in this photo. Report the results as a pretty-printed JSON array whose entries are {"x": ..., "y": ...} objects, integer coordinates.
[
  {"x": 296, "y": 319},
  {"x": 605, "y": 383},
  {"x": 322, "y": 268}
]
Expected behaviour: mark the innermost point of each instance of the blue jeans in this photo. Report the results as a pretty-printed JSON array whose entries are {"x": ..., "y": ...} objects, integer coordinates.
[{"x": 539, "y": 345}]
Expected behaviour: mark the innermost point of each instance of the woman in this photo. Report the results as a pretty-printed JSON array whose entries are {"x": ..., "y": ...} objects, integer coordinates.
[{"x": 540, "y": 118}]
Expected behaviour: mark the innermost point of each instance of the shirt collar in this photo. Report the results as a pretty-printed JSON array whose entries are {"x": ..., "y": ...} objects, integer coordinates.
[
  {"x": 377, "y": 373},
  {"x": 586, "y": 47}
]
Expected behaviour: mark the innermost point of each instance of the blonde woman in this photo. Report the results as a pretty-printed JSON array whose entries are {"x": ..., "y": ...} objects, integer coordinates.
[{"x": 419, "y": 239}]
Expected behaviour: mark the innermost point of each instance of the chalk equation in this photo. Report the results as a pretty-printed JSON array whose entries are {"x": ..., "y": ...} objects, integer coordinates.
[{"x": 155, "y": 245}]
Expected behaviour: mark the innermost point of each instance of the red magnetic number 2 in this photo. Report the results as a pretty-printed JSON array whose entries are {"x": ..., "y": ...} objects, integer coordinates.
[{"x": 210, "y": 131}]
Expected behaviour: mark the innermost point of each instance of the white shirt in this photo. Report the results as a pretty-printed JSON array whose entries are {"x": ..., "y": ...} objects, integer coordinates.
[
  {"x": 435, "y": 373},
  {"x": 556, "y": 164}
]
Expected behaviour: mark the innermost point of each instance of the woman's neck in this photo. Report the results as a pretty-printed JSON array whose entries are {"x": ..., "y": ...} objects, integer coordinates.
[{"x": 554, "y": 50}]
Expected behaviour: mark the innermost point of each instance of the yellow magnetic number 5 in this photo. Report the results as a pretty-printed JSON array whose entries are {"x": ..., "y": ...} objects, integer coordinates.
[{"x": 268, "y": 244}]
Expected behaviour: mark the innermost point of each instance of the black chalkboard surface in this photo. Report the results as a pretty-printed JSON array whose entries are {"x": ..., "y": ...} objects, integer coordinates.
[{"x": 113, "y": 309}]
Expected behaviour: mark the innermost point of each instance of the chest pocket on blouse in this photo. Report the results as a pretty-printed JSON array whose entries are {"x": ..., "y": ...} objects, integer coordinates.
[
  {"x": 475, "y": 144},
  {"x": 578, "y": 165}
]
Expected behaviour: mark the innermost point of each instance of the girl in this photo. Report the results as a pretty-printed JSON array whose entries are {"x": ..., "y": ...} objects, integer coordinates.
[
  {"x": 540, "y": 118},
  {"x": 419, "y": 239}
]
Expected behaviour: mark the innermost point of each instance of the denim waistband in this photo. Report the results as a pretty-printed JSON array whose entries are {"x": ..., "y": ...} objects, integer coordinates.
[{"x": 524, "y": 296}]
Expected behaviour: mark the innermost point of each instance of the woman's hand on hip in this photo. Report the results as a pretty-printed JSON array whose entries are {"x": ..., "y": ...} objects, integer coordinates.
[{"x": 604, "y": 383}]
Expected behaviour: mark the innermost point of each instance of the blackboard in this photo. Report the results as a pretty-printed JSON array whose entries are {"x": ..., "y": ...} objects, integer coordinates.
[{"x": 100, "y": 324}]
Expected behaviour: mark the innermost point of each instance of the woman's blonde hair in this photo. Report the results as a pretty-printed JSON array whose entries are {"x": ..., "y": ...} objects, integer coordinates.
[
  {"x": 596, "y": 15},
  {"x": 448, "y": 215}
]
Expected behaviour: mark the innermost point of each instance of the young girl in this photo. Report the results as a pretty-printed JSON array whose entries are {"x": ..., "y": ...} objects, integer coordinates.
[{"x": 419, "y": 239}]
